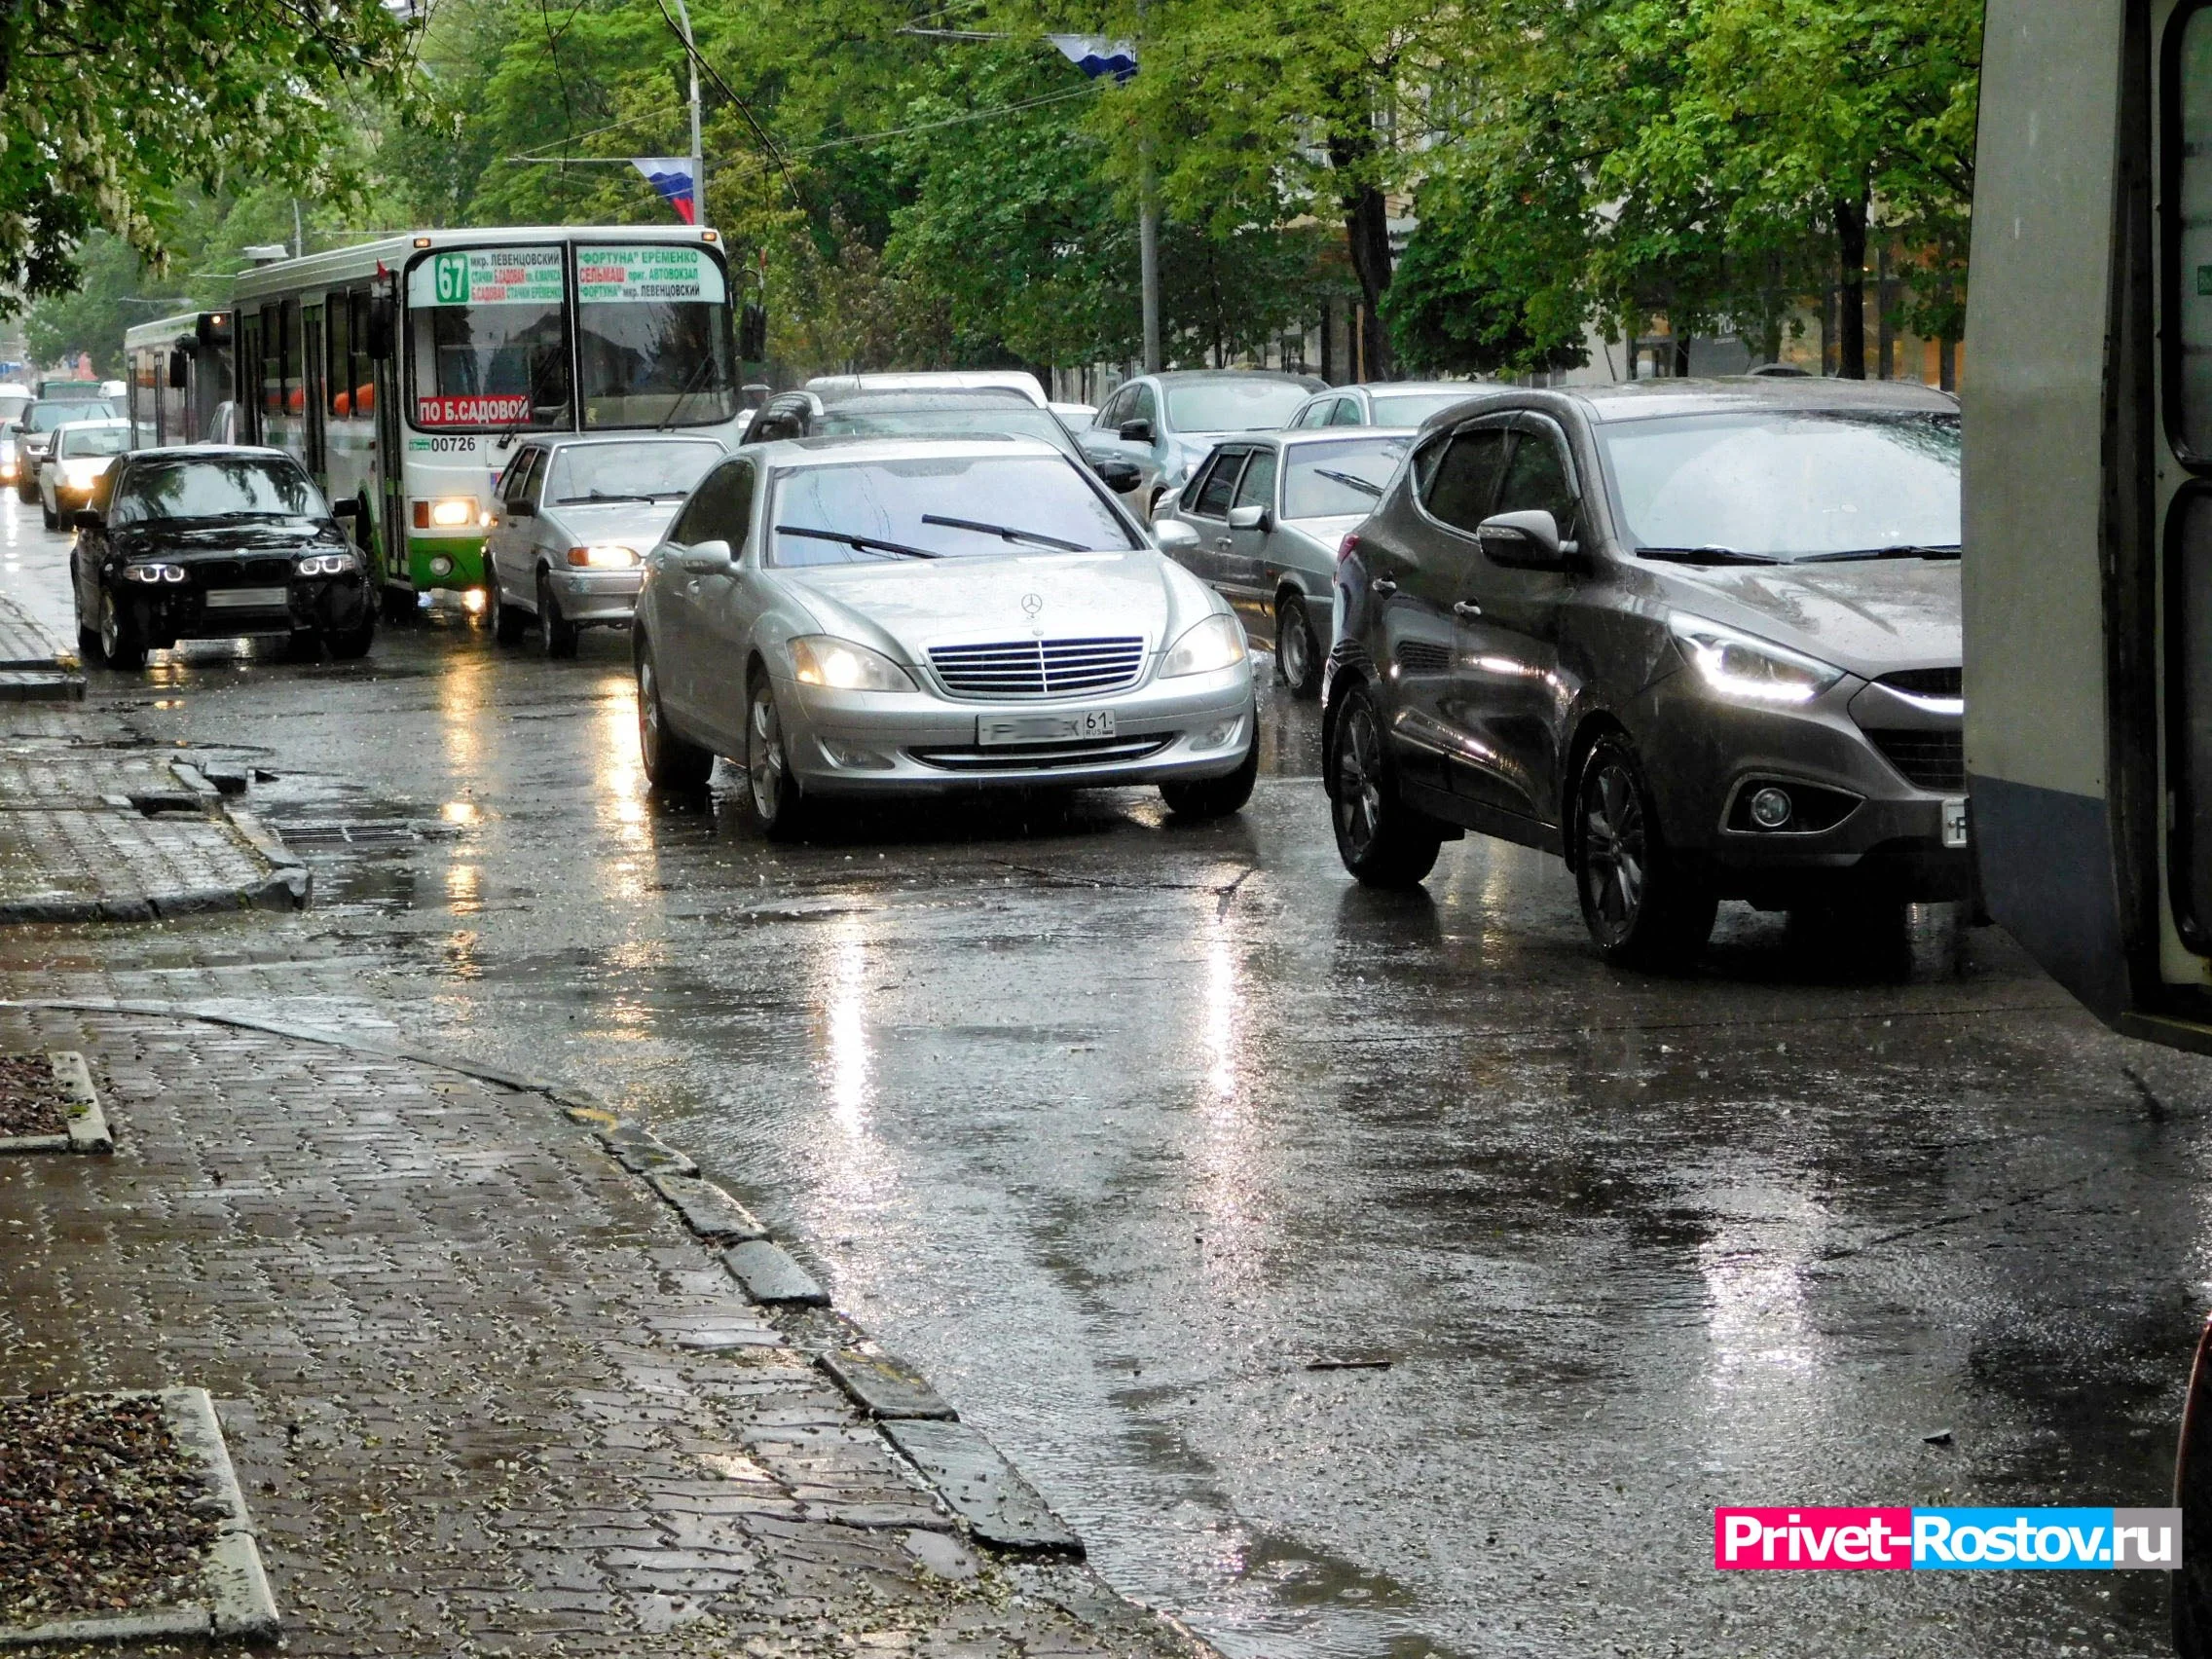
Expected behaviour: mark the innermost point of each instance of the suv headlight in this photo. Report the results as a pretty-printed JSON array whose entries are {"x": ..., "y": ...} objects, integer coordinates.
[
  {"x": 151, "y": 574},
  {"x": 1747, "y": 667},
  {"x": 820, "y": 660},
  {"x": 1215, "y": 643},
  {"x": 327, "y": 563}
]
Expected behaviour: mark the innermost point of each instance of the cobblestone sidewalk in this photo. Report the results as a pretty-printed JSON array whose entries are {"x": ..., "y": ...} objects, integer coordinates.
[
  {"x": 33, "y": 668},
  {"x": 448, "y": 1339}
]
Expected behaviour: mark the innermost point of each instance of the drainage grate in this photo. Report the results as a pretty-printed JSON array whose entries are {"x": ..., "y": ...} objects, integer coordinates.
[{"x": 367, "y": 833}]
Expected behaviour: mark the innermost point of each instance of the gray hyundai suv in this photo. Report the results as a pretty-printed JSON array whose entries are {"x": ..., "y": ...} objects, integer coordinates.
[{"x": 1700, "y": 639}]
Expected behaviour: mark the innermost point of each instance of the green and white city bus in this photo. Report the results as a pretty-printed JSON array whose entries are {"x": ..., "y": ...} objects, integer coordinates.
[
  {"x": 178, "y": 372},
  {"x": 403, "y": 371}
]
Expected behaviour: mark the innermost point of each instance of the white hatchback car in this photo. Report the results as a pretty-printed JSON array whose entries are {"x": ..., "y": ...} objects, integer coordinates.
[{"x": 852, "y": 618}]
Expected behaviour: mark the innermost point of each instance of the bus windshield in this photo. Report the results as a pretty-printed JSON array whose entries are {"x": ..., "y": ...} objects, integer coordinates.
[
  {"x": 488, "y": 340},
  {"x": 652, "y": 325}
]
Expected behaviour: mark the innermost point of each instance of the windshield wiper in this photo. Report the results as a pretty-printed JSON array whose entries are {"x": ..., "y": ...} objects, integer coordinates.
[
  {"x": 1006, "y": 531},
  {"x": 858, "y": 544},
  {"x": 1709, "y": 555},
  {"x": 1365, "y": 486},
  {"x": 690, "y": 386},
  {"x": 1897, "y": 550},
  {"x": 602, "y": 495}
]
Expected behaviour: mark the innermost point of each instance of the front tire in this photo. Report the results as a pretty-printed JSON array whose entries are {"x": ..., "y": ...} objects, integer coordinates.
[
  {"x": 509, "y": 622},
  {"x": 354, "y": 644},
  {"x": 670, "y": 763},
  {"x": 779, "y": 806},
  {"x": 1382, "y": 841},
  {"x": 50, "y": 518},
  {"x": 120, "y": 644},
  {"x": 1642, "y": 908},
  {"x": 1298, "y": 654},
  {"x": 396, "y": 604},
  {"x": 1216, "y": 797},
  {"x": 557, "y": 634}
]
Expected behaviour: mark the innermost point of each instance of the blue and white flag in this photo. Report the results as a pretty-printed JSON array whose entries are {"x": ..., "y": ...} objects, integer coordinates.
[
  {"x": 671, "y": 175},
  {"x": 1096, "y": 55}
]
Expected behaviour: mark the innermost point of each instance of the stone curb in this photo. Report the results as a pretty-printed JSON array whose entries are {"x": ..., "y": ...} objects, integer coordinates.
[
  {"x": 41, "y": 686},
  {"x": 84, "y": 1125},
  {"x": 240, "y": 1604},
  {"x": 968, "y": 1475}
]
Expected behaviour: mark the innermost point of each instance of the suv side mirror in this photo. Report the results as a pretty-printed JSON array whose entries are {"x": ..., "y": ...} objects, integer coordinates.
[
  {"x": 705, "y": 558},
  {"x": 84, "y": 518},
  {"x": 1523, "y": 542},
  {"x": 1261, "y": 519},
  {"x": 1135, "y": 432},
  {"x": 1118, "y": 476}
]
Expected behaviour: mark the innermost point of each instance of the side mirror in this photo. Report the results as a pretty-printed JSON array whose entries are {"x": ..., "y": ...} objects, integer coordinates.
[
  {"x": 1135, "y": 432},
  {"x": 518, "y": 506},
  {"x": 1174, "y": 537},
  {"x": 752, "y": 334},
  {"x": 1261, "y": 519},
  {"x": 1118, "y": 476},
  {"x": 84, "y": 518},
  {"x": 345, "y": 510},
  {"x": 180, "y": 371},
  {"x": 1523, "y": 542},
  {"x": 704, "y": 558},
  {"x": 384, "y": 323}
]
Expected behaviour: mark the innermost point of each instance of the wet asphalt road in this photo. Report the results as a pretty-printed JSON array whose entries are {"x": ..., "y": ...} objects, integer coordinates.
[{"x": 1117, "y": 1127}]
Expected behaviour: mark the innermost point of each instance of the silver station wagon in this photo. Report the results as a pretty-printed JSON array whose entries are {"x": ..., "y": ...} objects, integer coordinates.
[{"x": 852, "y": 617}]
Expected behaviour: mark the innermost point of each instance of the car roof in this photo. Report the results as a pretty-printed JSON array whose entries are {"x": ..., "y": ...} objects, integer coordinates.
[
  {"x": 935, "y": 397},
  {"x": 1635, "y": 400},
  {"x": 1385, "y": 388},
  {"x": 203, "y": 452},
  {"x": 822, "y": 450},
  {"x": 570, "y": 440},
  {"x": 1180, "y": 376},
  {"x": 95, "y": 420},
  {"x": 1334, "y": 435}
]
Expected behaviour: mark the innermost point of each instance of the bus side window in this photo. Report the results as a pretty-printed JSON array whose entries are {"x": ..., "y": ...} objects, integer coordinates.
[
  {"x": 246, "y": 400},
  {"x": 2191, "y": 248},
  {"x": 337, "y": 377},
  {"x": 295, "y": 361},
  {"x": 270, "y": 372}
]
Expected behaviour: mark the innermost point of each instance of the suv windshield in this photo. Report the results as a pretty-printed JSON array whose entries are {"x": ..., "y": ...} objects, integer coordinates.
[
  {"x": 1339, "y": 479},
  {"x": 1241, "y": 404},
  {"x": 232, "y": 486},
  {"x": 1788, "y": 485},
  {"x": 1011, "y": 415},
  {"x": 947, "y": 507},
  {"x": 92, "y": 440},
  {"x": 652, "y": 324},
  {"x": 624, "y": 472},
  {"x": 45, "y": 417},
  {"x": 488, "y": 338}
]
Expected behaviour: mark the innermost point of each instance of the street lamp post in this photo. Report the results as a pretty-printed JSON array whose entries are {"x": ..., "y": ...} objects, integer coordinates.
[{"x": 698, "y": 155}]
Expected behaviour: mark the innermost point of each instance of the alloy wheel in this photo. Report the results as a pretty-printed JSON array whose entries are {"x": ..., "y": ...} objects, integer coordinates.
[
  {"x": 1616, "y": 847},
  {"x": 649, "y": 713},
  {"x": 764, "y": 756},
  {"x": 1359, "y": 780}
]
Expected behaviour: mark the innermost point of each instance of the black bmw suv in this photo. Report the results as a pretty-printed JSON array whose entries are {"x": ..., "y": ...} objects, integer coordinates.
[
  {"x": 1700, "y": 639},
  {"x": 211, "y": 542}
]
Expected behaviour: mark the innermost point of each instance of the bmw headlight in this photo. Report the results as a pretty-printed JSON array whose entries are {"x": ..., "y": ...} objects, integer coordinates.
[
  {"x": 1215, "y": 643},
  {"x": 327, "y": 563},
  {"x": 151, "y": 574},
  {"x": 1747, "y": 667},
  {"x": 822, "y": 659}
]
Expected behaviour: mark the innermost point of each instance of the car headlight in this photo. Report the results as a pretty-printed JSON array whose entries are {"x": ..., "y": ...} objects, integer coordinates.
[
  {"x": 819, "y": 660},
  {"x": 327, "y": 563},
  {"x": 151, "y": 574},
  {"x": 604, "y": 556},
  {"x": 1215, "y": 643},
  {"x": 80, "y": 473},
  {"x": 1747, "y": 667}
]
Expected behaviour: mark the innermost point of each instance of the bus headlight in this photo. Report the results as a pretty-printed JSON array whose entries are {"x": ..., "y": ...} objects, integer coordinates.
[
  {"x": 447, "y": 512},
  {"x": 604, "y": 556}
]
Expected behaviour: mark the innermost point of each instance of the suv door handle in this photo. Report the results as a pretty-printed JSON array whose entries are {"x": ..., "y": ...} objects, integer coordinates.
[
  {"x": 1468, "y": 609},
  {"x": 1383, "y": 587},
  {"x": 1223, "y": 544}
]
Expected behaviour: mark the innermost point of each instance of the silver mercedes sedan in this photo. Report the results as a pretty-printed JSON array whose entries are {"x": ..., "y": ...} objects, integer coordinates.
[{"x": 848, "y": 617}]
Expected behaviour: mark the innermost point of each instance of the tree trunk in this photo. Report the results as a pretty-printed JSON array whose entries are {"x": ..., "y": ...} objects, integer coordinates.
[
  {"x": 1366, "y": 232},
  {"x": 1851, "y": 320}
]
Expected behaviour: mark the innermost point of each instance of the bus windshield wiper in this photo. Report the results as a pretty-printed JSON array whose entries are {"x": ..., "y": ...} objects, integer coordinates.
[
  {"x": 690, "y": 386},
  {"x": 858, "y": 544},
  {"x": 1366, "y": 486},
  {"x": 1713, "y": 554},
  {"x": 1897, "y": 550},
  {"x": 1006, "y": 531}
]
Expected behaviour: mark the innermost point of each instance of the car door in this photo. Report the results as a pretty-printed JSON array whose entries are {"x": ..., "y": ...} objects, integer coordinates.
[
  {"x": 1510, "y": 685},
  {"x": 1422, "y": 621},
  {"x": 511, "y": 529},
  {"x": 1243, "y": 562},
  {"x": 726, "y": 604},
  {"x": 1205, "y": 508}
]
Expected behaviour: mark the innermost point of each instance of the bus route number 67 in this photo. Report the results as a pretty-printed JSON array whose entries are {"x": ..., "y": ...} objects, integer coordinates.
[{"x": 451, "y": 273}]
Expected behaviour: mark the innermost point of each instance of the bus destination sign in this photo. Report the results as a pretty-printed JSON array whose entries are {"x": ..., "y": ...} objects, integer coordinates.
[
  {"x": 651, "y": 273},
  {"x": 488, "y": 276},
  {"x": 477, "y": 409}
]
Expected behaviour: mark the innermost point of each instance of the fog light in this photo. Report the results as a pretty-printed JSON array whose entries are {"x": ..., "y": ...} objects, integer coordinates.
[
  {"x": 1770, "y": 808},
  {"x": 1221, "y": 734},
  {"x": 441, "y": 566},
  {"x": 856, "y": 757}
]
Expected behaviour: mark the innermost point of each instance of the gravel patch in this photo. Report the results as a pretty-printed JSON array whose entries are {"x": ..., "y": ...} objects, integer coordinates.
[
  {"x": 97, "y": 1508},
  {"x": 31, "y": 1101}
]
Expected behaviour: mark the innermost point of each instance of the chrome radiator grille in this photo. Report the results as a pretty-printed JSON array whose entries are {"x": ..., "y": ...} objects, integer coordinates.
[{"x": 1038, "y": 668}]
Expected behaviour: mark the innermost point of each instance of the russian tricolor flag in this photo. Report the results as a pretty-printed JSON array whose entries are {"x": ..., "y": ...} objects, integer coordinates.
[
  {"x": 1096, "y": 55},
  {"x": 671, "y": 175}
]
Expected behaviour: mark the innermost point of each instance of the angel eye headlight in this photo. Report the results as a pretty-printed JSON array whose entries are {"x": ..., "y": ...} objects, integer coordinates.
[{"x": 1746, "y": 668}]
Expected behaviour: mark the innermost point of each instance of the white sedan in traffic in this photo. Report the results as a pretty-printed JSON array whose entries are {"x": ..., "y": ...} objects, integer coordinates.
[{"x": 848, "y": 617}]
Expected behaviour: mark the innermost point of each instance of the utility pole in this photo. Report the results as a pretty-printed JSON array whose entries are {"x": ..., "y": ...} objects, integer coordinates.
[
  {"x": 1148, "y": 232},
  {"x": 698, "y": 155}
]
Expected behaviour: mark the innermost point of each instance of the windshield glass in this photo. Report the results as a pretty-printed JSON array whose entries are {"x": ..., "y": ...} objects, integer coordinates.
[
  {"x": 895, "y": 502},
  {"x": 1013, "y": 418},
  {"x": 652, "y": 322},
  {"x": 1788, "y": 485},
  {"x": 1239, "y": 405},
  {"x": 45, "y": 417},
  {"x": 232, "y": 486},
  {"x": 585, "y": 472},
  {"x": 488, "y": 340},
  {"x": 1412, "y": 408},
  {"x": 94, "y": 440},
  {"x": 1335, "y": 479}
]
